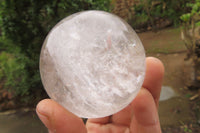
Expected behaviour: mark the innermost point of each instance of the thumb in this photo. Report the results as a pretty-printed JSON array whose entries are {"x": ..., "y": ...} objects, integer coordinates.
[
  {"x": 145, "y": 119},
  {"x": 57, "y": 119}
]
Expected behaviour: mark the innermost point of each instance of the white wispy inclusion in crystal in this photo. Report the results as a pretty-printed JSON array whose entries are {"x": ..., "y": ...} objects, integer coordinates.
[{"x": 92, "y": 63}]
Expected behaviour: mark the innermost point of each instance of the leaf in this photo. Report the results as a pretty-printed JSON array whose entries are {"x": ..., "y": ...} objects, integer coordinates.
[{"x": 186, "y": 17}]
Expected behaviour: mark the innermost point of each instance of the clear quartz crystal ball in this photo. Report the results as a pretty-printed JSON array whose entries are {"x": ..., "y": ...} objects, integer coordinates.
[{"x": 92, "y": 63}]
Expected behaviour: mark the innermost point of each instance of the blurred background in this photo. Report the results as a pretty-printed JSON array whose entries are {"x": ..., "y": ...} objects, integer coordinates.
[{"x": 169, "y": 30}]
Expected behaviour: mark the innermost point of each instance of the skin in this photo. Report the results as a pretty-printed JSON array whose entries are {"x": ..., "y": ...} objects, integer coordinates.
[{"x": 140, "y": 116}]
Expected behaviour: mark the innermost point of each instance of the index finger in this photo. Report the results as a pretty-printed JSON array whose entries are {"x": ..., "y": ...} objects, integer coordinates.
[{"x": 154, "y": 77}]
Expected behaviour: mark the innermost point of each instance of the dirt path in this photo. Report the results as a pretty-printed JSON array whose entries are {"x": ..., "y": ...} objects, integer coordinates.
[
  {"x": 164, "y": 41},
  {"x": 22, "y": 121},
  {"x": 176, "y": 114}
]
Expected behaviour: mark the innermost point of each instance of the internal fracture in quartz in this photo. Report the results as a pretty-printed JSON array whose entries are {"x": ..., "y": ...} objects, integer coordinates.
[{"x": 92, "y": 63}]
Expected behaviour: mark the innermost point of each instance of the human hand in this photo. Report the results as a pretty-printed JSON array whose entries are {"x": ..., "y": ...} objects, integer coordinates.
[{"x": 140, "y": 116}]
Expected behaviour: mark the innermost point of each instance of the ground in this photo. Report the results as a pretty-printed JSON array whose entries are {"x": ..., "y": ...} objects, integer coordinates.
[{"x": 180, "y": 114}]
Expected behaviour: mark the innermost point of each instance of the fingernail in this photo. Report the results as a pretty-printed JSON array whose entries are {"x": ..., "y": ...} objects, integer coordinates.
[
  {"x": 43, "y": 114},
  {"x": 50, "y": 131},
  {"x": 154, "y": 59},
  {"x": 43, "y": 118},
  {"x": 127, "y": 130}
]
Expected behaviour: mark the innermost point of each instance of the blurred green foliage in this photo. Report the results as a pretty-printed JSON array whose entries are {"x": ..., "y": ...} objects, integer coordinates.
[
  {"x": 12, "y": 69},
  {"x": 24, "y": 26},
  {"x": 194, "y": 12},
  {"x": 148, "y": 11},
  {"x": 14, "y": 76}
]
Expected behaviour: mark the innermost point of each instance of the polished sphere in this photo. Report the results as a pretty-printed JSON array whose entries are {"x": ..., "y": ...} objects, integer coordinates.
[{"x": 92, "y": 63}]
